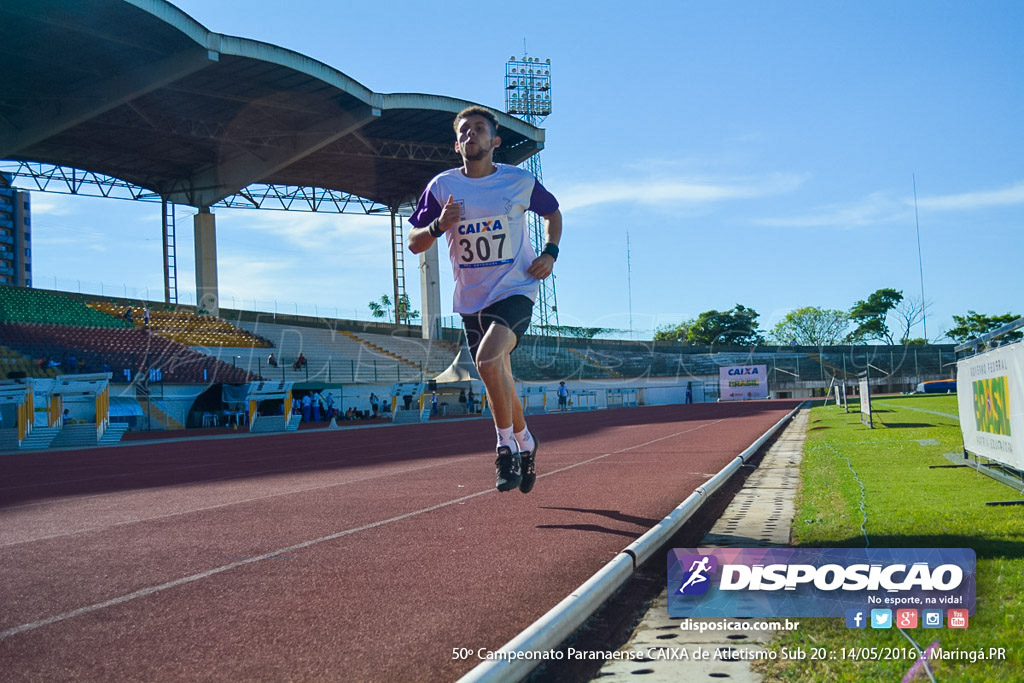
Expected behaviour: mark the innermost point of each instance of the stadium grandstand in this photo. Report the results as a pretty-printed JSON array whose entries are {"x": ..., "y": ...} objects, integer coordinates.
[
  {"x": 156, "y": 136},
  {"x": 182, "y": 352}
]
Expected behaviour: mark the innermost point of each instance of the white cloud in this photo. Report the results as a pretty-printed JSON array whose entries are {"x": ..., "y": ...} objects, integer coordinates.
[
  {"x": 878, "y": 207},
  {"x": 871, "y": 210},
  {"x": 1007, "y": 196},
  {"x": 302, "y": 228},
  {"x": 668, "y": 192},
  {"x": 53, "y": 204}
]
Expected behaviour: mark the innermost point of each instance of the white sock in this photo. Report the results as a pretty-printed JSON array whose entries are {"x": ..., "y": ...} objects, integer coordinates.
[
  {"x": 505, "y": 438},
  {"x": 525, "y": 440}
]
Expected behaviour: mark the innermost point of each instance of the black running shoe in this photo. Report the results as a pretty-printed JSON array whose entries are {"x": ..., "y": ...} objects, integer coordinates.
[
  {"x": 529, "y": 468},
  {"x": 509, "y": 469}
]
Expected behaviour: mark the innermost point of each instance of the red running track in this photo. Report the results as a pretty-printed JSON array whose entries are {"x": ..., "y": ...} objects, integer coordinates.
[{"x": 363, "y": 554}]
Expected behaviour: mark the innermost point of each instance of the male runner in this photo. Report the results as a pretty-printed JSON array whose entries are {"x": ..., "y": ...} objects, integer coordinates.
[{"x": 480, "y": 208}]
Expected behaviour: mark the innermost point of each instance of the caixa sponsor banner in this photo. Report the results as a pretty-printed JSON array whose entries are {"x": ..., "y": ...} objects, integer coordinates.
[
  {"x": 816, "y": 582},
  {"x": 743, "y": 382}
]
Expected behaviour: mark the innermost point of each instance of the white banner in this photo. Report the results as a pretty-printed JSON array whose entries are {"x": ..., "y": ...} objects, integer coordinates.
[
  {"x": 990, "y": 396},
  {"x": 865, "y": 402},
  {"x": 741, "y": 382}
]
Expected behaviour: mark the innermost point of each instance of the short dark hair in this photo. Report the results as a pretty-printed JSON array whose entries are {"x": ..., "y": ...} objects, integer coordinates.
[{"x": 477, "y": 110}]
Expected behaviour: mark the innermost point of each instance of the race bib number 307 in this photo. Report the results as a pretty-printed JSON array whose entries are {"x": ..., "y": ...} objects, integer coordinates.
[{"x": 482, "y": 242}]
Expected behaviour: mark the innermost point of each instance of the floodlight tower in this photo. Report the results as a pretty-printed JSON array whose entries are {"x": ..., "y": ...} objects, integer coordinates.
[{"x": 528, "y": 96}]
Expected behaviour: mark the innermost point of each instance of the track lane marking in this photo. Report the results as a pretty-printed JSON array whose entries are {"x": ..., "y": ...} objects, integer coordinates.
[
  {"x": 143, "y": 592},
  {"x": 230, "y": 503},
  {"x": 297, "y": 468}
]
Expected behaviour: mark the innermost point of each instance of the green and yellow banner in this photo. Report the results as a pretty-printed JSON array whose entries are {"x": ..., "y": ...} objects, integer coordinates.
[{"x": 990, "y": 395}]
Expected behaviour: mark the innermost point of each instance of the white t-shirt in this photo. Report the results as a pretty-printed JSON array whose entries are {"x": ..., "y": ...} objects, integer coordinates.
[{"x": 489, "y": 247}]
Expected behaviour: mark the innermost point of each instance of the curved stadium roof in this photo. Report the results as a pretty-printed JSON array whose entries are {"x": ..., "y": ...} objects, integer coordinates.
[{"x": 140, "y": 91}]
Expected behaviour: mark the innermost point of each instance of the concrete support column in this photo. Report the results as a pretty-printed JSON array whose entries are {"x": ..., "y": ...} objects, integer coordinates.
[
  {"x": 207, "y": 296},
  {"x": 430, "y": 290}
]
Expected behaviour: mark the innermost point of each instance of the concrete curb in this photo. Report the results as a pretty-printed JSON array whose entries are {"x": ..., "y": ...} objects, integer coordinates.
[
  {"x": 523, "y": 653},
  {"x": 759, "y": 516}
]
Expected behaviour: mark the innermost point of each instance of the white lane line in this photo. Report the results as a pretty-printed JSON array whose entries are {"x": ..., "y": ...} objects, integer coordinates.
[
  {"x": 236, "y": 502},
  {"x": 297, "y": 468},
  {"x": 920, "y": 410},
  {"x": 299, "y": 546}
]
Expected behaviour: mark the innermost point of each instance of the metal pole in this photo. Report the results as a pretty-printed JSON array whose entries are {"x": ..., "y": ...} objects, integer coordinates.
[{"x": 920, "y": 262}]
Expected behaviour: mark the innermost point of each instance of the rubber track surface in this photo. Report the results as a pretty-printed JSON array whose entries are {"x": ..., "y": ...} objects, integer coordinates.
[{"x": 364, "y": 554}]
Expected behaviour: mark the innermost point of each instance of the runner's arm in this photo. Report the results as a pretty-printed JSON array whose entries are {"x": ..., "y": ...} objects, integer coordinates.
[
  {"x": 545, "y": 263},
  {"x": 421, "y": 238}
]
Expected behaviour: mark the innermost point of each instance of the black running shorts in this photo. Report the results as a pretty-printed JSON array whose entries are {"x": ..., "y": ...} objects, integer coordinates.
[{"x": 514, "y": 313}]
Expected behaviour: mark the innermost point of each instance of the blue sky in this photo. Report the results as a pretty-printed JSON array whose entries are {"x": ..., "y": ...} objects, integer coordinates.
[{"x": 755, "y": 153}]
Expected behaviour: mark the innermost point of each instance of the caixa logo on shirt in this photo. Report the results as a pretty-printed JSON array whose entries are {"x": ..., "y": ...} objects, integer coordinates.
[
  {"x": 811, "y": 582},
  {"x": 474, "y": 227}
]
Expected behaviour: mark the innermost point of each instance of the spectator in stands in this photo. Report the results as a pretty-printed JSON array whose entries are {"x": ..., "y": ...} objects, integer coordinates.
[
  {"x": 271, "y": 361},
  {"x": 317, "y": 401},
  {"x": 563, "y": 396},
  {"x": 494, "y": 296},
  {"x": 128, "y": 314},
  {"x": 307, "y": 405},
  {"x": 300, "y": 362},
  {"x": 145, "y": 315}
]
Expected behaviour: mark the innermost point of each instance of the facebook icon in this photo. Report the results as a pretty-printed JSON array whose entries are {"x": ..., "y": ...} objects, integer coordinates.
[{"x": 856, "y": 618}]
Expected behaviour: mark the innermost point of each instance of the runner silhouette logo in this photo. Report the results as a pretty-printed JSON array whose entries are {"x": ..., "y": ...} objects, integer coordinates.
[{"x": 696, "y": 580}]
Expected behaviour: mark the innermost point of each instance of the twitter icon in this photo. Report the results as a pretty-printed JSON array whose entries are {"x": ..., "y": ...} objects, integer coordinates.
[{"x": 881, "y": 618}]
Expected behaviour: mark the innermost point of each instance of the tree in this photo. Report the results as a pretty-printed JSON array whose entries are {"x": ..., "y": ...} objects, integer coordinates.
[
  {"x": 973, "y": 325},
  {"x": 811, "y": 326},
  {"x": 382, "y": 308},
  {"x": 577, "y": 332},
  {"x": 676, "y": 333},
  {"x": 737, "y": 327},
  {"x": 869, "y": 316},
  {"x": 403, "y": 310},
  {"x": 910, "y": 312}
]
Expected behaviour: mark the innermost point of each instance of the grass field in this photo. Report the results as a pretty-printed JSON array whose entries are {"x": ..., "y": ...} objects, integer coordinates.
[{"x": 907, "y": 503}]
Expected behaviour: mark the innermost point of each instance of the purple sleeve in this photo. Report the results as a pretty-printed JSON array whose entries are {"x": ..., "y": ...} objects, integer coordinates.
[
  {"x": 427, "y": 210},
  {"x": 542, "y": 202}
]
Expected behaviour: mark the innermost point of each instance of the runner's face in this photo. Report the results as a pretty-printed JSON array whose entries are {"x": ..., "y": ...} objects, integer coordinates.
[{"x": 475, "y": 141}]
